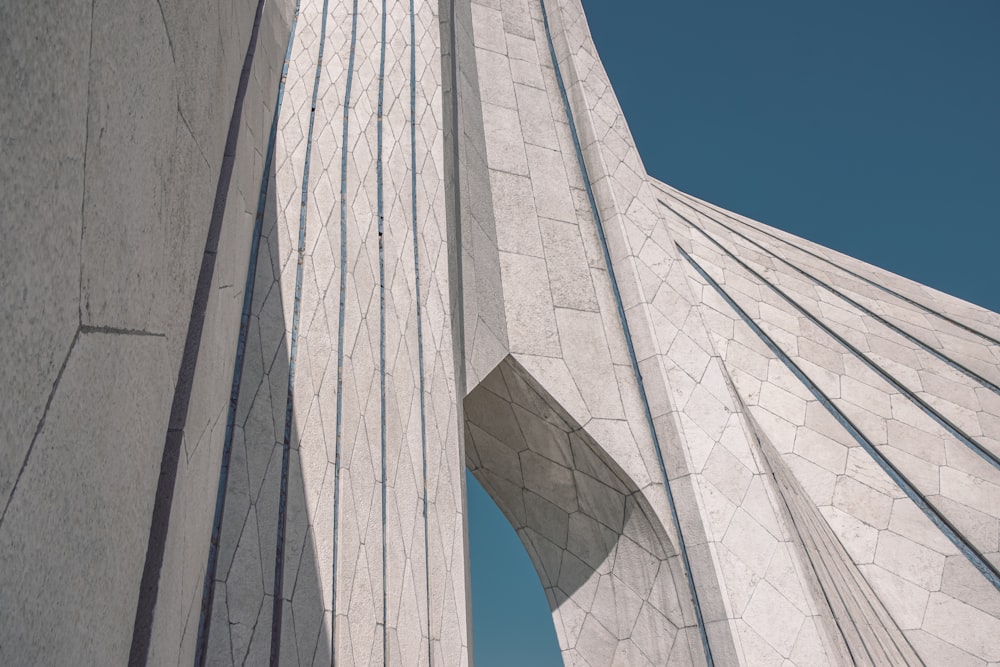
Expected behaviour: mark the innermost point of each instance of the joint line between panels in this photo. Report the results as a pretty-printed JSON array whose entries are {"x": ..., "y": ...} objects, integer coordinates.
[
  {"x": 286, "y": 445},
  {"x": 420, "y": 331},
  {"x": 340, "y": 327},
  {"x": 702, "y": 630},
  {"x": 929, "y": 410},
  {"x": 381, "y": 329},
  {"x": 930, "y": 511},
  {"x": 869, "y": 281},
  {"x": 208, "y": 592},
  {"x": 867, "y": 311},
  {"x": 170, "y": 459}
]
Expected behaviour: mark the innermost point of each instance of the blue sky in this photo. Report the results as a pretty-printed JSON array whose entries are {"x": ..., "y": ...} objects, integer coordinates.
[{"x": 869, "y": 127}]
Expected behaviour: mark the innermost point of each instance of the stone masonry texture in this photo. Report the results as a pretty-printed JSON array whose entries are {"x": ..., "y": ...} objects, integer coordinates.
[{"x": 276, "y": 272}]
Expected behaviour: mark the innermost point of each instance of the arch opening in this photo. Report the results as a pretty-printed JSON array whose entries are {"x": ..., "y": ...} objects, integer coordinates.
[
  {"x": 512, "y": 624},
  {"x": 609, "y": 571}
]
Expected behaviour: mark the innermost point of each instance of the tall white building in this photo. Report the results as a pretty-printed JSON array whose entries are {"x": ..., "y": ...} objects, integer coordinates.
[{"x": 275, "y": 273}]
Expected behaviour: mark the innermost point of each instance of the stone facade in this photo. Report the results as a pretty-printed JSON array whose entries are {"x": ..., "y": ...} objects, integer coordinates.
[{"x": 237, "y": 419}]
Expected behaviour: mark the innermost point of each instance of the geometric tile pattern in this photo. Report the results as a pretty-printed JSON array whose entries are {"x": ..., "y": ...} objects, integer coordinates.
[
  {"x": 335, "y": 367},
  {"x": 900, "y": 457},
  {"x": 623, "y": 307},
  {"x": 610, "y": 573},
  {"x": 433, "y": 246}
]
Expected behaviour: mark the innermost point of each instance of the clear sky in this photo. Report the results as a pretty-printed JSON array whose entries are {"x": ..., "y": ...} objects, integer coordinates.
[{"x": 870, "y": 127}]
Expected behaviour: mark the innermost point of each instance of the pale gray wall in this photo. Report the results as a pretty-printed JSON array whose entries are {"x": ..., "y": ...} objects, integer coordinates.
[{"x": 113, "y": 133}]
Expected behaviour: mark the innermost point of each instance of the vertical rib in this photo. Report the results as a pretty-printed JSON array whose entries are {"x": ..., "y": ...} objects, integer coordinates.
[
  {"x": 628, "y": 341},
  {"x": 340, "y": 325},
  {"x": 286, "y": 444}
]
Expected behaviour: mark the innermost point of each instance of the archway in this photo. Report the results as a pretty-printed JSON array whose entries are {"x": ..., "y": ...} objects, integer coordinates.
[{"x": 609, "y": 572}]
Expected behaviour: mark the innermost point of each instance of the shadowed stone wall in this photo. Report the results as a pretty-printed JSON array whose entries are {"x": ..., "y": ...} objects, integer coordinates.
[{"x": 114, "y": 135}]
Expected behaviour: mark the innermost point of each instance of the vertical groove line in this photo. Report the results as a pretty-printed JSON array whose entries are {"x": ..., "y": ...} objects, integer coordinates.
[
  {"x": 929, "y": 410},
  {"x": 340, "y": 328},
  {"x": 823, "y": 535},
  {"x": 420, "y": 330},
  {"x": 208, "y": 587},
  {"x": 816, "y": 573},
  {"x": 451, "y": 131},
  {"x": 905, "y": 334},
  {"x": 702, "y": 630},
  {"x": 795, "y": 518},
  {"x": 381, "y": 331},
  {"x": 286, "y": 445},
  {"x": 163, "y": 499},
  {"x": 930, "y": 511},
  {"x": 873, "y": 283}
]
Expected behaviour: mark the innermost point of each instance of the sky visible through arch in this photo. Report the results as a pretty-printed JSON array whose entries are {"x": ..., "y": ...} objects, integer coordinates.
[{"x": 871, "y": 128}]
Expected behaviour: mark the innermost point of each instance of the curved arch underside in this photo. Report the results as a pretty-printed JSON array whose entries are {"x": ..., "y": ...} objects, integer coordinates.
[{"x": 610, "y": 572}]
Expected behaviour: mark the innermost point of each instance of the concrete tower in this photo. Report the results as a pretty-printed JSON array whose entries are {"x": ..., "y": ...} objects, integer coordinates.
[{"x": 275, "y": 273}]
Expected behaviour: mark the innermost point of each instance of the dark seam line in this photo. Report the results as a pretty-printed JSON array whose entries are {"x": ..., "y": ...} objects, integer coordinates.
[
  {"x": 878, "y": 645},
  {"x": 851, "y": 575},
  {"x": 86, "y": 141},
  {"x": 910, "y": 337},
  {"x": 815, "y": 569},
  {"x": 954, "y": 536},
  {"x": 170, "y": 42},
  {"x": 41, "y": 423},
  {"x": 628, "y": 339},
  {"x": 159, "y": 524},
  {"x": 340, "y": 328},
  {"x": 420, "y": 330},
  {"x": 837, "y": 565},
  {"x": 834, "y": 567},
  {"x": 286, "y": 443},
  {"x": 456, "y": 294},
  {"x": 208, "y": 591},
  {"x": 877, "y": 613},
  {"x": 820, "y": 564},
  {"x": 860, "y": 277},
  {"x": 802, "y": 535},
  {"x": 874, "y": 616},
  {"x": 456, "y": 283},
  {"x": 820, "y": 541},
  {"x": 943, "y": 421},
  {"x": 114, "y": 331},
  {"x": 381, "y": 333}
]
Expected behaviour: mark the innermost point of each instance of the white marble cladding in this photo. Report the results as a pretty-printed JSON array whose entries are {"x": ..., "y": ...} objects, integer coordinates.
[
  {"x": 612, "y": 577},
  {"x": 936, "y": 599},
  {"x": 388, "y": 558},
  {"x": 564, "y": 328},
  {"x": 487, "y": 278},
  {"x": 763, "y": 587}
]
